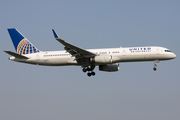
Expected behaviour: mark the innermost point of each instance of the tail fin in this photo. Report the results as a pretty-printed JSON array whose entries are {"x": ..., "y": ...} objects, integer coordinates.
[{"x": 21, "y": 44}]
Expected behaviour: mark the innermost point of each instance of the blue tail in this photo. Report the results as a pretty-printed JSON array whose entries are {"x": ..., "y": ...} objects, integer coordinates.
[{"x": 21, "y": 44}]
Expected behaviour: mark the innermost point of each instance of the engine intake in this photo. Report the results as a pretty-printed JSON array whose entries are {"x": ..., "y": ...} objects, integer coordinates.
[{"x": 109, "y": 68}]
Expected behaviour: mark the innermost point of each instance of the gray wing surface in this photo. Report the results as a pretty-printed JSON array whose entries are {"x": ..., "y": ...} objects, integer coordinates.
[
  {"x": 73, "y": 50},
  {"x": 16, "y": 55}
]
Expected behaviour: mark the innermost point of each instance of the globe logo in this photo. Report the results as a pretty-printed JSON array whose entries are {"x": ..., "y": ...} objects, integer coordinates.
[{"x": 25, "y": 47}]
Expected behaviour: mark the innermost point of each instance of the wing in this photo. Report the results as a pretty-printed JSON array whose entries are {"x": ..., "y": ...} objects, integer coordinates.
[
  {"x": 16, "y": 55},
  {"x": 73, "y": 50}
]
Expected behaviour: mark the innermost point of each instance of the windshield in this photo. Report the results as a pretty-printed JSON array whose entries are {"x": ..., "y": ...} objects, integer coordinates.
[{"x": 167, "y": 51}]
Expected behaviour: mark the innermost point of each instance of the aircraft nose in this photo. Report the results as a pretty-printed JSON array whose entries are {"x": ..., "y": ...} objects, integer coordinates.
[{"x": 174, "y": 56}]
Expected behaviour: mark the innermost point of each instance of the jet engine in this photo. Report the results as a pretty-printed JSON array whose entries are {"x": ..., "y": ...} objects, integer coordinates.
[
  {"x": 109, "y": 68},
  {"x": 102, "y": 59}
]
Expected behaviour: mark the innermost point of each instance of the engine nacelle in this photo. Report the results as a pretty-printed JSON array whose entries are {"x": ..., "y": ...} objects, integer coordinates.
[
  {"x": 109, "y": 68},
  {"x": 102, "y": 59}
]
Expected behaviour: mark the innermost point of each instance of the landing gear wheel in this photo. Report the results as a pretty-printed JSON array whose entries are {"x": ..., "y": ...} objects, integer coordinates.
[
  {"x": 84, "y": 70},
  {"x": 88, "y": 69},
  {"x": 93, "y": 73},
  {"x": 89, "y": 74},
  {"x": 154, "y": 68}
]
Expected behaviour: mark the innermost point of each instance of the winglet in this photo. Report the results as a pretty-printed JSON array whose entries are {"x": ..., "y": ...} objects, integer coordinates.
[{"x": 55, "y": 34}]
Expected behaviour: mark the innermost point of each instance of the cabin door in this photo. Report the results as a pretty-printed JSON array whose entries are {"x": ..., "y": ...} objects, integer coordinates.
[
  {"x": 157, "y": 52},
  {"x": 124, "y": 52}
]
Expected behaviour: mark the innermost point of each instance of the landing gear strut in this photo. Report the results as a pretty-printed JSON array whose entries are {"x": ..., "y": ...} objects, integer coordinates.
[
  {"x": 90, "y": 70},
  {"x": 155, "y": 65}
]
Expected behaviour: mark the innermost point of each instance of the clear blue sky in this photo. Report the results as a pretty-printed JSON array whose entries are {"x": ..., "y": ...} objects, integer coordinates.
[{"x": 135, "y": 92}]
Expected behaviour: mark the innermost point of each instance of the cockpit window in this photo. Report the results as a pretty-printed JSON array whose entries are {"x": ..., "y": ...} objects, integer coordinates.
[{"x": 167, "y": 51}]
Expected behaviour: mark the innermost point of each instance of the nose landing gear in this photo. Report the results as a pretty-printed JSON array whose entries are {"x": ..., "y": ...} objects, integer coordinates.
[
  {"x": 155, "y": 65},
  {"x": 154, "y": 68}
]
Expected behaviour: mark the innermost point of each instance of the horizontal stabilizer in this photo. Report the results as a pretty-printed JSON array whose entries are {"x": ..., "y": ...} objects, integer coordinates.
[{"x": 16, "y": 55}]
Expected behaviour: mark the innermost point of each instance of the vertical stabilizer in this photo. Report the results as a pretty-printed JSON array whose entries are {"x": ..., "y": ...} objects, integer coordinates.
[{"x": 21, "y": 44}]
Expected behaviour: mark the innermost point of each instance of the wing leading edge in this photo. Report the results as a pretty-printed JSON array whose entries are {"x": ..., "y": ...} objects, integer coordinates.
[{"x": 73, "y": 50}]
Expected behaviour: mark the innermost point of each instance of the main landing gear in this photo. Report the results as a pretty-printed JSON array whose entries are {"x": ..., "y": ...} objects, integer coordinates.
[
  {"x": 155, "y": 65},
  {"x": 90, "y": 70}
]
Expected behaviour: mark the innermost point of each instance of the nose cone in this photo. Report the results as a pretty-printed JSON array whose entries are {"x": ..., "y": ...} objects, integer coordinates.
[{"x": 173, "y": 55}]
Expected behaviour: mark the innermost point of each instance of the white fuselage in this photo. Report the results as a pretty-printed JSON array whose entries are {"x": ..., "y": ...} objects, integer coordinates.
[{"x": 130, "y": 54}]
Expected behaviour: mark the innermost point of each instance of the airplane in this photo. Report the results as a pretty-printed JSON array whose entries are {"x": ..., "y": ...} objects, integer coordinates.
[{"x": 107, "y": 59}]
